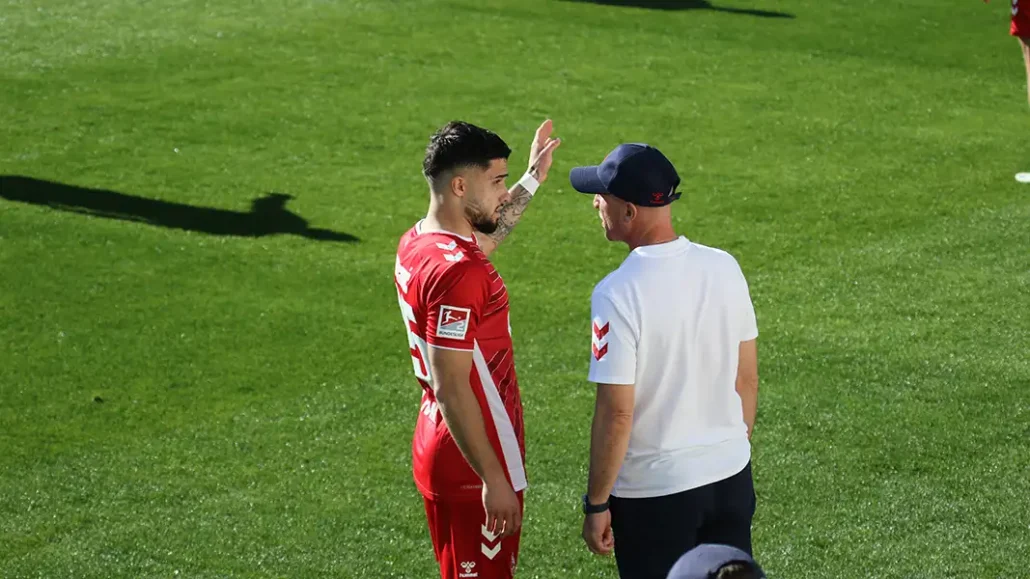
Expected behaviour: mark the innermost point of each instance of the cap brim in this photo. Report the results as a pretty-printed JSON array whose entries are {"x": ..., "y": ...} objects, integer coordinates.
[{"x": 586, "y": 180}]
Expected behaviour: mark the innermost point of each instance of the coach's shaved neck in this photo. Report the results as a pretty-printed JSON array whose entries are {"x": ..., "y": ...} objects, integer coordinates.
[{"x": 648, "y": 226}]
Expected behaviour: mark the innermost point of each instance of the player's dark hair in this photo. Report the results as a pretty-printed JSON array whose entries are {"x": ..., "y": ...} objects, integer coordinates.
[
  {"x": 460, "y": 144},
  {"x": 737, "y": 570}
]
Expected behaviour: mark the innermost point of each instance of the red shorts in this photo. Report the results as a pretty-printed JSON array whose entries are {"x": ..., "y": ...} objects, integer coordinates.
[
  {"x": 463, "y": 546},
  {"x": 1020, "y": 19}
]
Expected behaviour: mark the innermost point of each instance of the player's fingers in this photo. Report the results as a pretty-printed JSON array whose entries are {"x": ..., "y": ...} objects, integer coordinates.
[
  {"x": 552, "y": 144},
  {"x": 499, "y": 524},
  {"x": 591, "y": 542},
  {"x": 540, "y": 148},
  {"x": 510, "y": 524},
  {"x": 505, "y": 527},
  {"x": 500, "y": 527},
  {"x": 502, "y": 522},
  {"x": 545, "y": 129},
  {"x": 546, "y": 150},
  {"x": 491, "y": 523}
]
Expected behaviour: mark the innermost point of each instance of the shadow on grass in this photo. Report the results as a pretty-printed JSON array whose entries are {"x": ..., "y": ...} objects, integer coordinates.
[
  {"x": 686, "y": 5},
  {"x": 267, "y": 216}
]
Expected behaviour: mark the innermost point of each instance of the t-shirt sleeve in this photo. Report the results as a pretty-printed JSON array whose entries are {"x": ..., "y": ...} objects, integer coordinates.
[
  {"x": 747, "y": 324},
  {"x": 613, "y": 342},
  {"x": 454, "y": 304}
]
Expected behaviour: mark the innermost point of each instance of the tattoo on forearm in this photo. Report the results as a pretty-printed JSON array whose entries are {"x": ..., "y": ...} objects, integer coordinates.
[{"x": 511, "y": 212}]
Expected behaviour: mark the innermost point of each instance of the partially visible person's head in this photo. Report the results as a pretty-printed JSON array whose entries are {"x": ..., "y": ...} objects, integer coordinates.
[
  {"x": 716, "y": 562},
  {"x": 468, "y": 165},
  {"x": 632, "y": 189}
]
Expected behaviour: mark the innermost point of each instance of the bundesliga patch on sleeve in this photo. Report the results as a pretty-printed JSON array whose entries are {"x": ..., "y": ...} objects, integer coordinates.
[{"x": 453, "y": 322}]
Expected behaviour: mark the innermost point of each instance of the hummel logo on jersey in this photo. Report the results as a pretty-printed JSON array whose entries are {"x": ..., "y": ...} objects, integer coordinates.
[
  {"x": 451, "y": 247},
  {"x": 468, "y": 566},
  {"x": 453, "y": 323},
  {"x": 598, "y": 345}
]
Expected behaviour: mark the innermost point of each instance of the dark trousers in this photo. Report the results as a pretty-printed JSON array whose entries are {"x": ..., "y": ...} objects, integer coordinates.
[{"x": 651, "y": 534}]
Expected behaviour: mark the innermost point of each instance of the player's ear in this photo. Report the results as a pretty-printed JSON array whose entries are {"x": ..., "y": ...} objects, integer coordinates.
[{"x": 459, "y": 185}]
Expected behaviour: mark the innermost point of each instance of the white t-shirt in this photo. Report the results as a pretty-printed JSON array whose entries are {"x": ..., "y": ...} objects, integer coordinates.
[{"x": 670, "y": 320}]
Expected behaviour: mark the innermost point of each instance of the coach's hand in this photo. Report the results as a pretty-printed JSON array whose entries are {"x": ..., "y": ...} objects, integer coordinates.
[
  {"x": 503, "y": 513},
  {"x": 597, "y": 532},
  {"x": 541, "y": 154}
]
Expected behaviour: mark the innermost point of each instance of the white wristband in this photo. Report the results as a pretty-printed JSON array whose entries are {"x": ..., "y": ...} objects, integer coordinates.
[{"x": 529, "y": 183}]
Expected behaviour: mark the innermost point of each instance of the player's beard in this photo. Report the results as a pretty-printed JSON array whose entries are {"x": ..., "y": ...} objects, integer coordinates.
[{"x": 480, "y": 220}]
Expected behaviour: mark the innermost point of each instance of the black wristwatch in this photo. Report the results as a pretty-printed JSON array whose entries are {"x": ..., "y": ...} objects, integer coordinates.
[{"x": 589, "y": 509}]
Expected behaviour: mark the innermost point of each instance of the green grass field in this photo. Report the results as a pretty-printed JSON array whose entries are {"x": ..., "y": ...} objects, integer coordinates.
[{"x": 180, "y": 403}]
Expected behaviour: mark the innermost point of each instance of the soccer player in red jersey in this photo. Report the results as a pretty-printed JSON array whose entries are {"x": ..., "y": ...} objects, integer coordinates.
[
  {"x": 1020, "y": 28},
  {"x": 469, "y": 448}
]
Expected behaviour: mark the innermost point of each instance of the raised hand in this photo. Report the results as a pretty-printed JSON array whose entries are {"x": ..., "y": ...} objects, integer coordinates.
[{"x": 541, "y": 153}]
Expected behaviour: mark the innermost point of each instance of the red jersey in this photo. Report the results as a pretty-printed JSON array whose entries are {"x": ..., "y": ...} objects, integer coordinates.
[
  {"x": 1020, "y": 19},
  {"x": 451, "y": 297}
]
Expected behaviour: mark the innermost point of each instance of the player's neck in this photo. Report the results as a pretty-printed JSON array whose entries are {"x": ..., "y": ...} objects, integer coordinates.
[{"x": 441, "y": 218}]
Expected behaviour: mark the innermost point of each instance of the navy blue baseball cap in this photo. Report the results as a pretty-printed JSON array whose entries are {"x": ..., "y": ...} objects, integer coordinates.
[
  {"x": 705, "y": 561},
  {"x": 634, "y": 172}
]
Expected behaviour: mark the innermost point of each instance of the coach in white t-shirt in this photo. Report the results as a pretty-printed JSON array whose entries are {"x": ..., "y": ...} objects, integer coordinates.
[{"x": 674, "y": 358}]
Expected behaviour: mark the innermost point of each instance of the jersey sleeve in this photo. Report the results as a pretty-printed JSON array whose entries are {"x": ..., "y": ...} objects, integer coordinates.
[
  {"x": 747, "y": 323},
  {"x": 613, "y": 342},
  {"x": 454, "y": 304}
]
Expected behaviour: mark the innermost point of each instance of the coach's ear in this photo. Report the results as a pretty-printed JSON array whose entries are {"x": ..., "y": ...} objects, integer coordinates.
[{"x": 629, "y": 212}]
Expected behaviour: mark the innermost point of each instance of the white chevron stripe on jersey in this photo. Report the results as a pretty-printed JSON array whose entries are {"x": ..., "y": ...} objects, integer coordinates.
[
  {"x": 488, "y": 535},
  {"x": 505, "y": 431},
  {"x": 491, "y": 553}
]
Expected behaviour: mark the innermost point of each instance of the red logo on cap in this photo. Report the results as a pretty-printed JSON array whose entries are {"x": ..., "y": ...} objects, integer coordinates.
[{"x": 657, "y": 197}]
